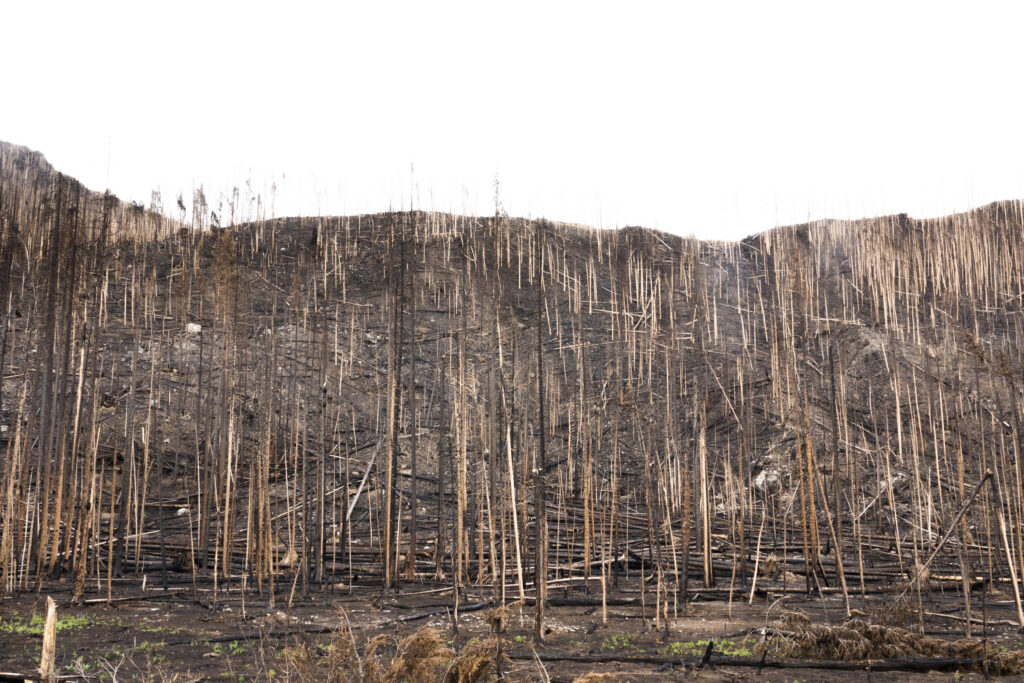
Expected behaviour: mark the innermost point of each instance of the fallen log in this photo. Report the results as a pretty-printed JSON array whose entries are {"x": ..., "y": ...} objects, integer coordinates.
[
  {"x": 582, "y": 602},
  {"x": 910, "y": 664},
  {"x": 155, "y": 594},
  {"x": 435, "y": 612}
]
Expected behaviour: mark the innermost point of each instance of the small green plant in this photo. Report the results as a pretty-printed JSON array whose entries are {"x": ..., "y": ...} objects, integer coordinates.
[
  {"x": 697, "y": 647},
  {"x": 734, "y": 649},
  {"x": 234, "y": 647},
  {"x": 17, "y": 625},
  {"x": 78, "y": 665},
  {"x": 619, "y": 641},
  {"x": 520, "y": 639}
]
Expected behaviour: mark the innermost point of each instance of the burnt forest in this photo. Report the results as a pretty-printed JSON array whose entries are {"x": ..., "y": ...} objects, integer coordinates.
[{"x": 416, "y": 446}]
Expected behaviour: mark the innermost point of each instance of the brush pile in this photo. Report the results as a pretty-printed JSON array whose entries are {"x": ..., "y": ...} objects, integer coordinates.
[{"x": 856, "y": 639}]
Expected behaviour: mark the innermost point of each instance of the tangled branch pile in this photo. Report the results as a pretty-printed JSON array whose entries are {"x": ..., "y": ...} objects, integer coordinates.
[{"x": 856, "y": 639}]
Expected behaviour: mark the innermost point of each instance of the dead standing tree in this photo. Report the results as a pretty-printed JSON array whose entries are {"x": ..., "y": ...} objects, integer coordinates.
[
  {"x": 540, "y": 466},
  {"x": 396, "y": 279}
]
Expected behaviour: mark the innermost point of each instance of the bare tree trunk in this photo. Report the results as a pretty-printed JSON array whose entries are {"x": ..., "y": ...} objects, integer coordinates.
[
  {"x": 391, "y": 522},
  {"x": 46, "y": 391},
  {"x": 540, "y": 473},
  {"x": 444, "y": 457},
  {"x": 410, "y": 398}
]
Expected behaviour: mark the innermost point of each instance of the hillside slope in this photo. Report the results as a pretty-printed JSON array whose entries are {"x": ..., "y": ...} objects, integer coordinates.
[{"x": 220, "y": 399}]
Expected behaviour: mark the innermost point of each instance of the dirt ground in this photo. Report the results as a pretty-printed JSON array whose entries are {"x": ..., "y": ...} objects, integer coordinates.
[{"x": 186, "y": 634}]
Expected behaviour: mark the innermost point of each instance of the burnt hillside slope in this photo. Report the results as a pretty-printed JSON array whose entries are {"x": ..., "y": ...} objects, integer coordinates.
[{"x": 322, "y": 395}]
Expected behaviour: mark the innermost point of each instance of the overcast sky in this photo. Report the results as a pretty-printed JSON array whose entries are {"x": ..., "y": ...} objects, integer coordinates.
[{"x": 710, "y": 118}]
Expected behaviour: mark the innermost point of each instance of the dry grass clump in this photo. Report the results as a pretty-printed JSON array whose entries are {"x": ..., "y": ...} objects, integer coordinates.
[
  {"x": 857, "y": 639},
  {"x": 499, "y": 616},
  {"x": 593, "y": 677},
  {"x": 419, "y": 657},
  {"x": 339, "y": 661},
  {"x": 898, "y": 613},
  {"x": 424, "y": 656},
  {"x": 772, "y": 568},
  {"x": 474, "y": 663}
]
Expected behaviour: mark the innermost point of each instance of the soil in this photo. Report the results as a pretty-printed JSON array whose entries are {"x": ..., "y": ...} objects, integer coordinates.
[{"x": 178, "y": 633}]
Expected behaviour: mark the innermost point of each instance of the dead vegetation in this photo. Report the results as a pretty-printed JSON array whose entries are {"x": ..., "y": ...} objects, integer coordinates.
[
  {"x": 795, "y": 636},
  {"x": 422, "y": 657},
  {"x": 594, "y": 677}
]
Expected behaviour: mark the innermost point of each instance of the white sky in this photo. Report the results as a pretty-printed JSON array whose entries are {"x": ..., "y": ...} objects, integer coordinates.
[{"x": 709, "y": 118}]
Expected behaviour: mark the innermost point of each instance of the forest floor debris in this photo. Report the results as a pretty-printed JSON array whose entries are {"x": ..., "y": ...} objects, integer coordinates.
[{"x": 330, "y": 636}]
